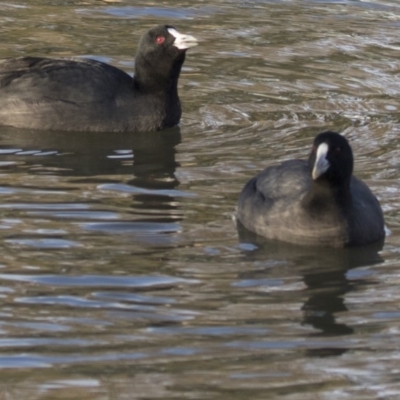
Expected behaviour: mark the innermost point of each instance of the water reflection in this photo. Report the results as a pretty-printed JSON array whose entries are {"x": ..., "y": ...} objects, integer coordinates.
[
  {"x": 324, "y": 273},
  {"x": 105, "y": 159},
  {"x": 93, "y": 168},
  {"x": 91, "y": 154},
  {"x": 262, "y": 83}
]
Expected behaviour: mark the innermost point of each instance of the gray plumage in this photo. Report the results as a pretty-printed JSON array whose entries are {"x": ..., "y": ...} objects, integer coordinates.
[
  {"x": 88, "y": 95},
  {"x": 284, "y": 202}
]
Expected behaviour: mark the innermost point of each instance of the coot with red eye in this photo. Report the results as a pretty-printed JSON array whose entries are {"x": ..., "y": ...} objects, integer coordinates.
[
  {"x": 88, "y": 95},
  {"x": 314, "y": 202}
]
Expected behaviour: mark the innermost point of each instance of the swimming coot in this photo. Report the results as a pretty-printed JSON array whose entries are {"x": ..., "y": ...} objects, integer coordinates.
[
  {"x": 318, "y": 202},
  {"x": 88, "y": 95}
]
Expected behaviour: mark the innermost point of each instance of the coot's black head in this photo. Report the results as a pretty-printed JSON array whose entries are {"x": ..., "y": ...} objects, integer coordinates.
[
  {"x": 161, "y": 54},
  {"x": 331, "y": 159}
]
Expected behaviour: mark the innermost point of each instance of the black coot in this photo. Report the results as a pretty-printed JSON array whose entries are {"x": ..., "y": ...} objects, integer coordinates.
[
  {"x": 88, "y": 95},
  {"x": 318, "y": 202}
]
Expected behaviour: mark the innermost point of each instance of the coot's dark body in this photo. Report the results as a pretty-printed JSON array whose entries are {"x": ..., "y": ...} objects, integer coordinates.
[
  {"x": 88, "y": 95},
  {"x": 318, "y": 202}
]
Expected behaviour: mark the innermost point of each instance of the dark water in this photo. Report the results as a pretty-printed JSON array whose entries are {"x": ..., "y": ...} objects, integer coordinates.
[{"x": 123, "y": 275}]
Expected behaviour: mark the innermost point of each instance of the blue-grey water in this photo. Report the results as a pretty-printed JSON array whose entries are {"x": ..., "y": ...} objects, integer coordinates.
[{"x": 122, "y": 273}]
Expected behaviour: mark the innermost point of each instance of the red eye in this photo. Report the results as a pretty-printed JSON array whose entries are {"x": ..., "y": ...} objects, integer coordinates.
[{"x": 160, "y": 39}]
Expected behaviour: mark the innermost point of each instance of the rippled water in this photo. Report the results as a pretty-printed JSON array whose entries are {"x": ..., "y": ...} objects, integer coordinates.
[{"x": 122, "y": 274}]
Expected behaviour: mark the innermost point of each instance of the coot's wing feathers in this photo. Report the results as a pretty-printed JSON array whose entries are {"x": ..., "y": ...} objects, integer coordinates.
[
  {"x": 271, "y": 192},
  {"x": 366, "y": 218},
  {"x": 66, "y": 94},
  {"x": 89, "y": 81},
  {"x": 289, "y": 179}
]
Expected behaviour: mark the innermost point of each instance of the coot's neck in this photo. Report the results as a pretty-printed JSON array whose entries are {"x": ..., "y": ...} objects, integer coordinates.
[
  {"x": 323, "y": 195},
  {"x": 161, "y": 79}
]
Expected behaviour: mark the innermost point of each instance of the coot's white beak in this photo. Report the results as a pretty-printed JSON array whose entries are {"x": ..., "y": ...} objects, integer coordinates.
[
  {"x": 183, "y": 42},
  {"x": 321, "y": 164}
]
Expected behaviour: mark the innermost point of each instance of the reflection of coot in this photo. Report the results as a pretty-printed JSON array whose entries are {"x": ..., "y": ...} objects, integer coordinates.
[
  {"x": 154, "y": 168},
  {"x": 323, "y": 271},
  {"x": 154, "y": 161},
  {"x": 88, "y": 95},
  {"x": 314, "y": 203},
  {"x": 87, "y": 154},
  {"x": 107, "y": 163}
]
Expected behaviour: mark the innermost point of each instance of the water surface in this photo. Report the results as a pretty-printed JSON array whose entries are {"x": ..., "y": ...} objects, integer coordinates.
[{"x": 122, "y": 273}]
